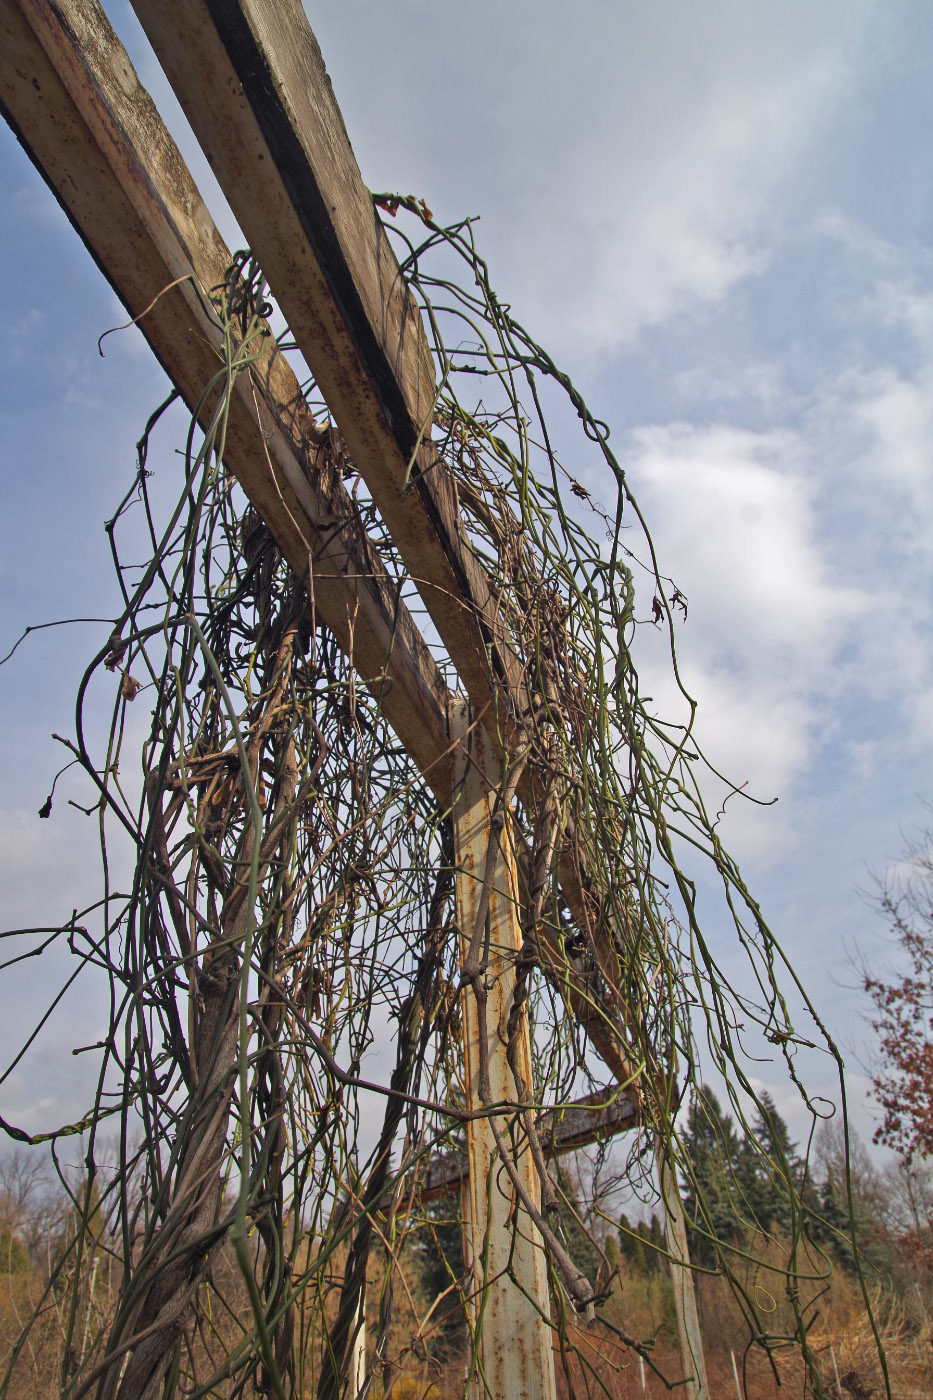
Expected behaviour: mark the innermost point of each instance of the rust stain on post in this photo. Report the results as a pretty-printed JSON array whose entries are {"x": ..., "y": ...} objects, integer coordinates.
[{"x": 504, "y": 1249}]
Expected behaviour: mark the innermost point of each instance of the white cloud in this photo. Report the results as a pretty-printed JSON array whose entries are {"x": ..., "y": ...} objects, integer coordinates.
[
  {"x": 651, "y": 228},
  {"x": 735, "y": 513},
  {"x": 735, "y": 509},
  {"x": 631, "y": 162},
  {"x": 805, "y": 549},
  {"x": 862, "y": 1111},
  {"x": 899, "y": 412},
  {"x": 47, "y": 868}
]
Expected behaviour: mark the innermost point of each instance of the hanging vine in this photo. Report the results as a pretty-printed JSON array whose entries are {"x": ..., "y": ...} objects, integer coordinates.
[{"x": 290, "y": 915}]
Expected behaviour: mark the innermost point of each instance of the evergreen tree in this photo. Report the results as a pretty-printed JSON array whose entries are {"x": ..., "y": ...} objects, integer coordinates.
[
  {"x": 571, "y": 1212},
  {"x": 712, "y": 1191},
  {"x": 438, "y": 1253},
  {"x": 642, "y": 1260},
  {"x": 655, "y": 1246},
  {"x": 631, "y": 1245},
  {"x": 832, "y": 1227},
  {"x": 770, "y": 1171}
]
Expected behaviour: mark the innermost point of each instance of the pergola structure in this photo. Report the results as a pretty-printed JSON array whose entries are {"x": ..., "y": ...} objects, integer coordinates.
[{"x": 252, "y": 82}]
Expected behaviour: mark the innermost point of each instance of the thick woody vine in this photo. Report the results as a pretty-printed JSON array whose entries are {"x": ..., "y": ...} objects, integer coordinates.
[{"x": 287, "y": 903}]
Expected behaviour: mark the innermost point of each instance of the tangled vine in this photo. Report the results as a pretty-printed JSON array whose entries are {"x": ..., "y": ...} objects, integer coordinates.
[{"x": 289, "y": 918}]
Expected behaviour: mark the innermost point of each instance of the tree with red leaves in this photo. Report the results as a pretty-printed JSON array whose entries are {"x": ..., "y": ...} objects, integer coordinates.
[{"x": 904, "y": 1009}]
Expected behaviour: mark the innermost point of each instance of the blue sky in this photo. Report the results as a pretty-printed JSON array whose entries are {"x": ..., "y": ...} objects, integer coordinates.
[{"x": 718, "y": 217}]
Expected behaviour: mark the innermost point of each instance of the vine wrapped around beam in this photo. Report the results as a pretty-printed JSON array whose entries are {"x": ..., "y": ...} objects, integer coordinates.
[{"x": 290, "y": 898}]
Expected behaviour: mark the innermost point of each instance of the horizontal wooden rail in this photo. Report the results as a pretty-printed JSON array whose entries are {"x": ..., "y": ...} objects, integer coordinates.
[{"x": 588, "y": 1120}]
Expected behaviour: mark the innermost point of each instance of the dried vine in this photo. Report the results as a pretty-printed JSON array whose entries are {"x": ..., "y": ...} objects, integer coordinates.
[{"x": 291, "y": 895}]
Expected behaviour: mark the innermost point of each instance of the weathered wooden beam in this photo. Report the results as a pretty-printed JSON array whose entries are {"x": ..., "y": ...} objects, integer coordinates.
[
  {"x": 251, "y": 79},
  {"x": 511, "y": 1303},
  {"x": 588, "y": 1120},
  {"x": 69, "y": 91}
]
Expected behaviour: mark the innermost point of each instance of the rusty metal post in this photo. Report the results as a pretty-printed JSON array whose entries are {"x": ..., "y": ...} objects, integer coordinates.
[
  {"x": 682, "y": 1279},
  {"x": 502, "y": 1245}
]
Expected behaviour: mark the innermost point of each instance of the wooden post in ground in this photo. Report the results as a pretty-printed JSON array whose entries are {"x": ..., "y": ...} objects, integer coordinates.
[
  {"x": 685, "y": 1299},
  {"x": 511, "y": 1299}
]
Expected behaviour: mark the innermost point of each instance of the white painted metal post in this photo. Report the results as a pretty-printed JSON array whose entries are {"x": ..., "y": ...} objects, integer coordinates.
[
  {"x": 685, "y": 1299},
  {"x": 503, "y": 1247}
]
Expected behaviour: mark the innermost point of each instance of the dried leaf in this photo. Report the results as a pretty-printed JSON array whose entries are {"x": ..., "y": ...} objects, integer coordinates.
[
  {"x": 45, "y": 811},
  {"x": 129, "y": 686},
  {"x": 223, "y": 793},
  {"x": 116, "y": 654}
]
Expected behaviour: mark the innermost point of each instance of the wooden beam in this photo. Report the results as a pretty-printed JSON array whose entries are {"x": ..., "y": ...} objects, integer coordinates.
[
  {"x": 251, "y": 79},
  {"x": 69, "y": 91},
  {"x": 511, "y": 1298},
  {"x": 588, "y": 1120}
]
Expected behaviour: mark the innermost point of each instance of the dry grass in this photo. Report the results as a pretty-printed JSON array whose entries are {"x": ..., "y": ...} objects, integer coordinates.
[{"x": 422, "y": 1361}]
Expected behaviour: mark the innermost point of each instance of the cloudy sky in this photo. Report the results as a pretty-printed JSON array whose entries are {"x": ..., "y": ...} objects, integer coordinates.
[{"x": 718, "y": 217}]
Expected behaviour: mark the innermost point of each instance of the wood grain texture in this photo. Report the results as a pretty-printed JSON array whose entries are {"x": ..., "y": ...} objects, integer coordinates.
[
  {"x": 590, "y": 1119},
  {"x": 252, "y": 81},
  {"x": 511, "y": 1296},
  {"x": 68, "y": 89}
]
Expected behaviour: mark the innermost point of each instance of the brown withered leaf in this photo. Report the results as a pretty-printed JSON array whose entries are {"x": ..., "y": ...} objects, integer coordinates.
[
  {"x": 129, "y": 686},
  {"x": 223, "y": 793},
  {"x": 116, "y": 653}
]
